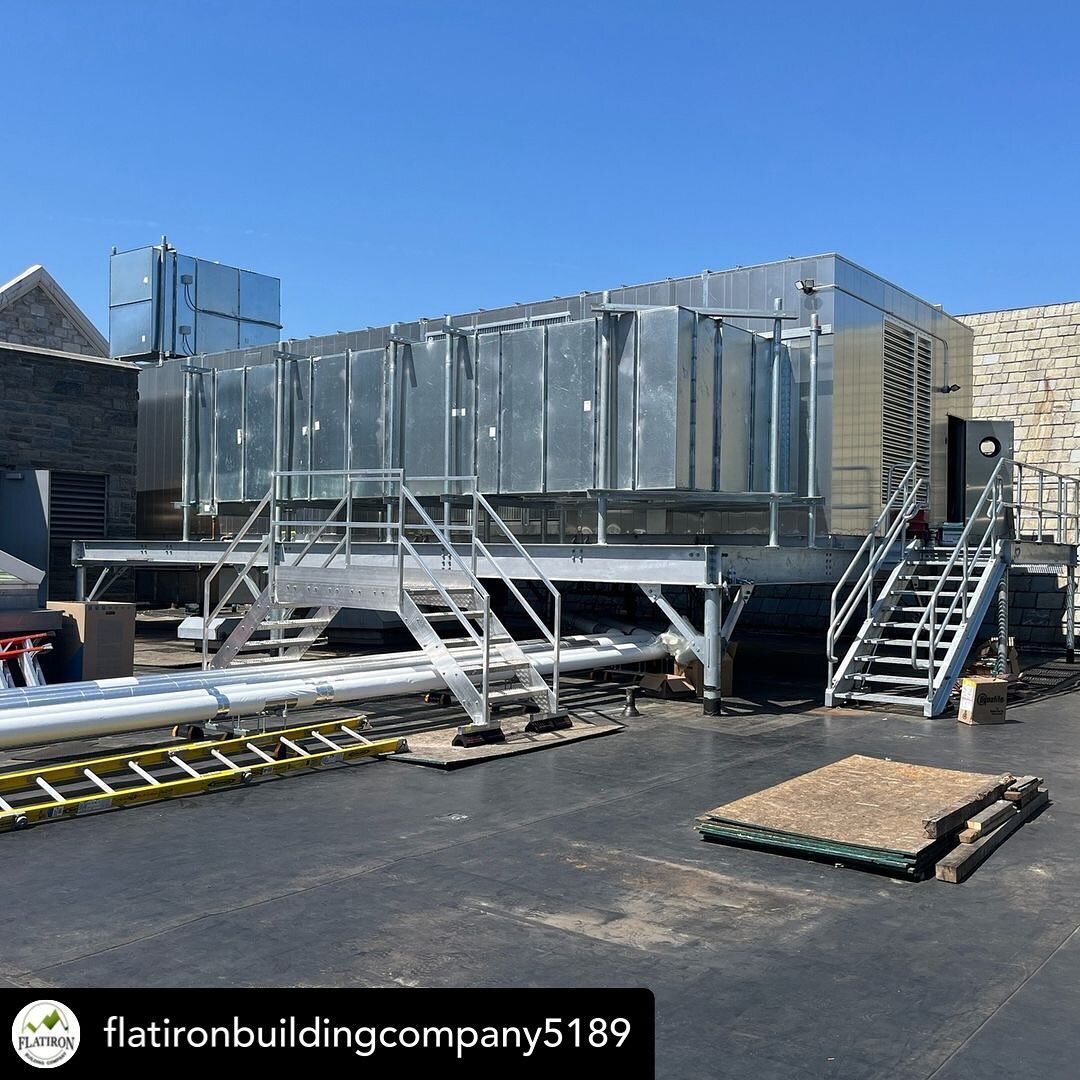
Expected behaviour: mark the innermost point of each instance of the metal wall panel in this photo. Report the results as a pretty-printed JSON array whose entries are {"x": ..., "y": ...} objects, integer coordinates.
[
  {"x": 367, "y": 373},
  {"x": 521, "y": 468},
  {"x": 423, "y": 400},
  {"x": 622, "y": 425},
  {"x": 204, "y": 389},
  {"x": 217, "y": 288},
  {"x": 463, "y": 407},
  {"x": 734, "y": 400},
  {"x": 258, "y": 431},
  {"x": 329, "y": 400},
  {"x": 215, "y": 333},
  {"x": 665, "y": 358},
  {"x": 296, "y": 434},
  {"x": 571, "y": 406},
  {"x": 260, "y": 297},
  {"x": 488, "y": 420},
  {"x": 229, "y": 434}
]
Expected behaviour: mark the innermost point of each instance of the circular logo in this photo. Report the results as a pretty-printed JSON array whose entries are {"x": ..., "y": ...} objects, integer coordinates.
[{"x": 45, "y": 1034}]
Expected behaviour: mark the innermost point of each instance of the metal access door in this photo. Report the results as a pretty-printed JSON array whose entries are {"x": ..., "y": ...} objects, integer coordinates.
[{"x": 975, "y": 448}]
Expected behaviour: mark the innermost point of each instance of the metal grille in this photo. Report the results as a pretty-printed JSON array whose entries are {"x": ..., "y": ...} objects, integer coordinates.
[
  {"x": 78, "y": 506},
  {"x": 907, "y": 374}
]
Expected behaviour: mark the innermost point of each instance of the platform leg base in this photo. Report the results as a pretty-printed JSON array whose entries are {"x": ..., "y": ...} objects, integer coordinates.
[{"x": 541, "y": 725}]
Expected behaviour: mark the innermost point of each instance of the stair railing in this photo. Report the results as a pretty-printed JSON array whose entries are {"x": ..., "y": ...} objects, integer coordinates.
[
  {"x": 968, "y": 555},
  {"x": 886, "y": 536},
  {"x": 224, "y": 560},
  {"x": 554, "y": 634}
]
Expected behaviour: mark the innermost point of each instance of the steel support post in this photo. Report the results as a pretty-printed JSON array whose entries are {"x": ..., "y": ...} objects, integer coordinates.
[
  {"x": 1070, "y": 615},
  {"x": 601, "y": 519},
  {"x": 448, "y": 399},
  {"x": 711, "y": 703},
  {"x": 603, "y": 405},
  {"x": 185, "y": 477},
  {"x": 80, "y": 582},
  {"x": 774, "y": 429},
  {"x": 811, "y": 432}
]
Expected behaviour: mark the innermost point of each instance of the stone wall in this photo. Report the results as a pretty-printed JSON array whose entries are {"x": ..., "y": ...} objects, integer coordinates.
[
  {"x": 35, "y": 319},
  {"x": 67, "y": 414},
  {"x": 1027, "y": 369}
]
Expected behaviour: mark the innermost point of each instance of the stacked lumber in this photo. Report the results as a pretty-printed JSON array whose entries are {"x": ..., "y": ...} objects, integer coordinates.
[
  {"x": 867, "y": 812},
  {"x": 987, "y": 830}
]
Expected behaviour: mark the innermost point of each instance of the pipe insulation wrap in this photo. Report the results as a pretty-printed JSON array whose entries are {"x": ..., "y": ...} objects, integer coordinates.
[{"x": 53, "y": 720}]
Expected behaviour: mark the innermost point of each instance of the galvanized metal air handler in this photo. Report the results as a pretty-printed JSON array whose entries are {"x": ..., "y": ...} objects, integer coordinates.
[{"x": 715, "y": 431}]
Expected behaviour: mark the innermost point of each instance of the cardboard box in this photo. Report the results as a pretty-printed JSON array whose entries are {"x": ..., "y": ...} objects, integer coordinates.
[
  {"x": 983, "y": 700},
  {"x": 694, "y": 672},
  {"x": 97, "y": 641}
]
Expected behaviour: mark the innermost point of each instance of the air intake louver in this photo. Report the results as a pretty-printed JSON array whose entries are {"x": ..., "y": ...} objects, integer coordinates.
[
  {"x": 77, "y": 506},
  {"x": 905, "y": 405}
]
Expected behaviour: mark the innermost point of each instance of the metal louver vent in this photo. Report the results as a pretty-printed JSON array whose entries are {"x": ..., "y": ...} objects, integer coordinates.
[
  {"x": 77, "y": 506},
  {"x": 906, "y": 400}
]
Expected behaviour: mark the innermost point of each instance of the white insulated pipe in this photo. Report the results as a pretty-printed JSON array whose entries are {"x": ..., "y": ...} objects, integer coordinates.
[{"x": 51, "y": 722}]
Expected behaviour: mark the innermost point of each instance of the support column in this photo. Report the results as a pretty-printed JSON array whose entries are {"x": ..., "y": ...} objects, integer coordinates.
[
  {"x": 1002, "y": 664},
  {"x": 774, "y": 429},
  {"x": 1070, "y": 615},
  {"x": 185, "y": 478},
  {"x": 80, "y": 582},
  {"x": 711, "y": 704},
  {"x": 448, "y": 404},
  {"x": 601, "y": 519}
]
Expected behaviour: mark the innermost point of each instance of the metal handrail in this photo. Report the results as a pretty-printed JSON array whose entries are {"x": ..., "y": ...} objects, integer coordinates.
[
  {"x": 991, "y": 493},
  {"x": 555, "y": 634},
  {"x": 1062, "y": 486},
  {"x": 483, "y": 640},
  {"x": 904, "y": 510},
  {"x": 222, "y": 561}
]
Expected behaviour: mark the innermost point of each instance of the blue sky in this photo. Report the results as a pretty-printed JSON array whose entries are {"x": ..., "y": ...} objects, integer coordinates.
[{"x": 401, "y": 159}]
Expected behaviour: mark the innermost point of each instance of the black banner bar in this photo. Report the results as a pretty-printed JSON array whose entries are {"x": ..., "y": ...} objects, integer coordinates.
[{"x": 530, "y": 1031}]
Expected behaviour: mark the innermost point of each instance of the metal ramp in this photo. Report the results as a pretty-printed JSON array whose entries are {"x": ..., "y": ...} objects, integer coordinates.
[
  {"x": 445, "y": 607},
  {"x": 920, "y": 625}
]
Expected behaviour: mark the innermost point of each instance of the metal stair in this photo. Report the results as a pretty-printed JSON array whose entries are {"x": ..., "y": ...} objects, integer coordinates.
[
  {"x": 920, "y": 625},
  {"x": 445, "y": 606},
  {"x": 484, "y": 668}
]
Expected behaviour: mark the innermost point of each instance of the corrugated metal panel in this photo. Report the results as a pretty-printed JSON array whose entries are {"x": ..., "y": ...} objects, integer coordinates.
[{"x": 78, "y": 506}]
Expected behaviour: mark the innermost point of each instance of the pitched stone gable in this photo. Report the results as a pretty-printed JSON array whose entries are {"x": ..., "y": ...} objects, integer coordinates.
[{"x": 36, "y": 319}]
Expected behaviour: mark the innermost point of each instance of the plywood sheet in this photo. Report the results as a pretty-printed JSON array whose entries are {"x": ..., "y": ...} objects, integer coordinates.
[{"x": 863, "y": 801}]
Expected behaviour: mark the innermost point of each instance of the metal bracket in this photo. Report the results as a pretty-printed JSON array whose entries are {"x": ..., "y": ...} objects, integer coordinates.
[
  {"x": 695, "y": 640},
  {"x": 745, "y": 591}
]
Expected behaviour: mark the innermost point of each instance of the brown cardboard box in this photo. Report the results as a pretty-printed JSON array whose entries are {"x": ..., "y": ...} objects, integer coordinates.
[
  {"x": 694, "y": 672},
  {"x": 983, "y": 700},
  {"x": 97, "y": 640}
]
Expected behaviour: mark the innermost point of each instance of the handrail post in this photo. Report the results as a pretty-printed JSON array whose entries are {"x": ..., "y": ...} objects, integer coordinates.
[
  {"x": 556, "y": 648},
  {"x": 486, "y": 717},
  {"x": 1039, "y": 508}
]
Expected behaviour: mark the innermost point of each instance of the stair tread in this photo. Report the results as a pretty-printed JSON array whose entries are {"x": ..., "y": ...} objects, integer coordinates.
[
  {"x": 911, "y": 625},
  {"x": 515, "y": 693},
  {"x": 894, "y": 680},
  {"x": 894, "y": 660},
  {"x": 887, "y": 699},
  {"x": 272, "y": 645},
  {"x": 285, "y": 624},
  {"x": 450, "y": 616},
  {"x": 905, "y": 642}
]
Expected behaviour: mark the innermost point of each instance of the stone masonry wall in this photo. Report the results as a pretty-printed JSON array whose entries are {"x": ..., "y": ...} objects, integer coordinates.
[
  {"x": 70, "y": 415},
  {"x": 35, "y": 319},
  {"x": 1027, "y": 369}
]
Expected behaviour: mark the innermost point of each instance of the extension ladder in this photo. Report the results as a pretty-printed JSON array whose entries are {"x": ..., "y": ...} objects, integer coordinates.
[{"x": 106, "y": 783}]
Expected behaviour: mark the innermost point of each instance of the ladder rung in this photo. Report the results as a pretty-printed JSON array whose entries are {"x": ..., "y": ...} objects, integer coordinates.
[
  {"x": 136, "y": 768},
  {"x": 95, "y": 779},
  {"x": 180, "y": 763},
  {"x": 323, "y": 739},
  {"x": 49, "y": 789}
]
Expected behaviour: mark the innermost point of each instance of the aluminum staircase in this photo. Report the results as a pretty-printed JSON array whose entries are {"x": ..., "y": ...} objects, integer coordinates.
[
  {"x": 919, "y": 626},
  {"x": 447, "y": 610}
]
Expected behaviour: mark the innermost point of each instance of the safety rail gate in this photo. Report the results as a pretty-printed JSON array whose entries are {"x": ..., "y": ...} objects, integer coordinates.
[
  {"x": 75, "y": 788},
  {"x": 920, "y": 625}
]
